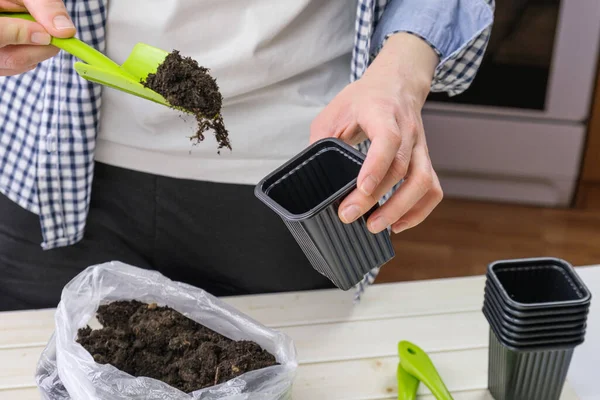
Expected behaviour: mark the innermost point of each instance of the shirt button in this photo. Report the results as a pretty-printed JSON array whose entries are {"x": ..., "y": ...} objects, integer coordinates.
[{"x": 51, "y": 143}]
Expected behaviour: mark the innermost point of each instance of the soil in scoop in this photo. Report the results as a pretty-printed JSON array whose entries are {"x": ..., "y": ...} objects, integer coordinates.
[
  {"x": 188, "y": 86},
  {"x": 159, "y": 342}
]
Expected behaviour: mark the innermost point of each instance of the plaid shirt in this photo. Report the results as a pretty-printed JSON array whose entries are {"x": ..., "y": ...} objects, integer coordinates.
[
  {"x": 453, "y": 75},
  {"x": 49, "y": 117}
]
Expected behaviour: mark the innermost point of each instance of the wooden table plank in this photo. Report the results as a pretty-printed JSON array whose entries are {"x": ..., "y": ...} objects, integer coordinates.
[
  {"x": 33, "y": 394},
  {"x": 380, "y": 301},
  {"x": 303, "y": 308},
  {"x": 20, "y": 394},
  {"x": 17, "y": 367},
  {"x": 343, "y": 341},
  {"x": 463, "y": 371},
  {"x": 364, "y": 339},
  {"x": 25, "y": 328}
]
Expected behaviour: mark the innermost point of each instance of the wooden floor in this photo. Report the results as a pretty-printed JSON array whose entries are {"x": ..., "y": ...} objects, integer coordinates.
[{"x": 461, "y": 237}]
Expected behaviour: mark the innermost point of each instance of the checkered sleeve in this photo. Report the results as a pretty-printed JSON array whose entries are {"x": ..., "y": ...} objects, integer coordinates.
[
  {"x": 456, "y": 73},
  {"x": 458, "y": 31},
  {"x": 48, "y": 123}
]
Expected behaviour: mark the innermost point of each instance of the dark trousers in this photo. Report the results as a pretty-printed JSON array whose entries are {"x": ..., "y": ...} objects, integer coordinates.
[{"x": 218, "y": 237}]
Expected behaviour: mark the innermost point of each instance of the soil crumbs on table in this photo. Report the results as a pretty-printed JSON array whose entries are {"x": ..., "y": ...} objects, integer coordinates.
[
  {"x": 159, "y": 342},
  {"x": 188, "y": 86}
]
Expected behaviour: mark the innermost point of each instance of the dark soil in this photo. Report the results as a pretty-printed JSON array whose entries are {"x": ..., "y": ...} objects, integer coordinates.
[
  {"x": 188, "y": 86},
  {"x": 159, "y": 342}
]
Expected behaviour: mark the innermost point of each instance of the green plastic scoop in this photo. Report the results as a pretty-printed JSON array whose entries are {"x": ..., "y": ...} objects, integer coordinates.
[
  {"x": 98, "y": 68},
  {"x": 407, "y": 384},
  {"x": 415, "y": 366}
]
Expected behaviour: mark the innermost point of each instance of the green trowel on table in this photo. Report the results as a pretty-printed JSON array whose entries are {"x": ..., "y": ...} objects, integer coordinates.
[
  {"x": 98, "y": 68},
  {"x": 414, "y": 367}
]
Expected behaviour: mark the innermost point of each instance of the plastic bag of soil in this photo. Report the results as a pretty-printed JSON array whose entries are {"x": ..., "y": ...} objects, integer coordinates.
[{"x": 66, "y": 371}]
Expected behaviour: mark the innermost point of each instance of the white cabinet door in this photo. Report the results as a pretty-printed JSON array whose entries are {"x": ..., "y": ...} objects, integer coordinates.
[{"x": 505, "y": 160}]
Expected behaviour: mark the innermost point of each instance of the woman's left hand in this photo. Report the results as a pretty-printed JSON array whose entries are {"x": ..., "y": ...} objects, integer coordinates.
[{"x": 385, "y": 107}]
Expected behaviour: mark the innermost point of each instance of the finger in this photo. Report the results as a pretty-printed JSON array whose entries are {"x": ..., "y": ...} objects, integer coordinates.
[
  {"x": 13, "y": 72},
  {"x": 422, "y": 209},
  {"x": 52, "y": 15},
  {"x": 416, "y": 185},
  {"x": 19, "y": 31},
  {"x": 356, "y": 203},
  {"x": 11, "y": 6},
  {"x": 350, "y": 133},
  {"x": 387, "y": 137},
  {"x": 333, "y": 121},
  {"x": 23, "y": 57}
]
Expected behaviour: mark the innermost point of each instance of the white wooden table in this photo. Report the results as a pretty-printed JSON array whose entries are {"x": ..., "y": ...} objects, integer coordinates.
[{"x": 336, "y": 340}]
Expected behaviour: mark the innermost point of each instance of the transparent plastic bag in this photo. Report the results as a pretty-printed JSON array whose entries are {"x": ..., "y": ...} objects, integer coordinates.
[{"x": 66, "y": 371}]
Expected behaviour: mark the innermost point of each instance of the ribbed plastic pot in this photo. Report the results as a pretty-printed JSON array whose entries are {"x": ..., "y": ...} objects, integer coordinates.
[
  {"x": 532, "y": 328},
  {"x": 538, "y": 283},
  {"x": 561, "y": 320},
  {"x": 524, "y": 341},
  {"x": 306, "y": 193},
  {"x": 550, "y": 333},
  {"x": 515, "y": 374},
  {"x": 528, "y": 313}
]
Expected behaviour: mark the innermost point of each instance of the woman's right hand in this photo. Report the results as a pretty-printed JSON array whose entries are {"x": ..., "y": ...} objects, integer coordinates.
[{"x": 24, "y": 44}]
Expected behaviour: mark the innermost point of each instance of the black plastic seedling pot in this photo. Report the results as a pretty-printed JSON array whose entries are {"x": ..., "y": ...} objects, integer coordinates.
[
  {"x": 577, "y": 317},
  {"x": 532, "y": 374},
  {"x": 525, "y": 341},
  {"x": 493, "y": 291},
  {"x": 306, "y": 193},
  {"x": 535, "y": 328},
  {"x": 540, "y": 328},
  {"x": 551, "y": 332},
  {"x": 538, "y": 284}
]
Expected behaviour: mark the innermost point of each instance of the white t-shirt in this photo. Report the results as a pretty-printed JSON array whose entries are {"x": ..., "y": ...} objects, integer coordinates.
[{"x": 277, "y": 63}]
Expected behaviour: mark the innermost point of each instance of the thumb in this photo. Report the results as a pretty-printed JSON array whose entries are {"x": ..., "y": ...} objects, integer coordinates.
[{"x": 53, "y": 16}]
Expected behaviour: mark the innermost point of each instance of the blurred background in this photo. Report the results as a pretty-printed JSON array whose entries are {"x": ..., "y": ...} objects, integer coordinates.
[{"x": 518, "y": 154}]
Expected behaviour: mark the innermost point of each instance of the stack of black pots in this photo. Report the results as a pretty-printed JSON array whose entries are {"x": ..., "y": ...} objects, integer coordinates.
[{"x": 537, "y": 310}]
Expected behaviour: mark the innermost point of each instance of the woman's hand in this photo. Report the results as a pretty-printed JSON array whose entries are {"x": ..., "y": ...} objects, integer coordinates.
[
  {"x": 24, "y": 44},
  {"x": 385, "y": 106}
]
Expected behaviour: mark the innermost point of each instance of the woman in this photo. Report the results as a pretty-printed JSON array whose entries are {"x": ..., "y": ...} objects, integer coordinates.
[{"x": 153, "y": 200}]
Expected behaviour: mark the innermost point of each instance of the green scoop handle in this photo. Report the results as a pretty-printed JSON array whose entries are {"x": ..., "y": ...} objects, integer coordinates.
[
  {"x": 407, "y": 384},
  {"x": 418, "y": 364},
  {"x": 98, "y": 68}
]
